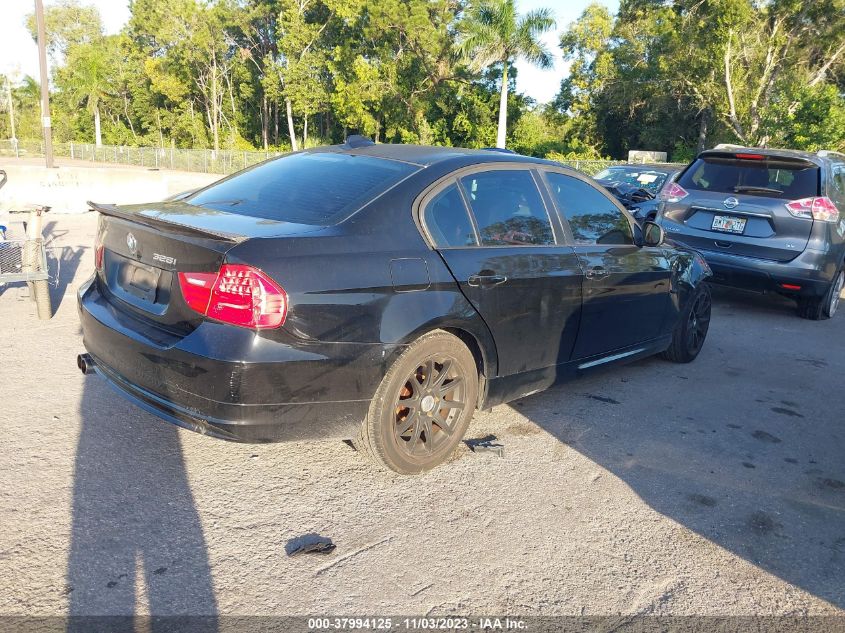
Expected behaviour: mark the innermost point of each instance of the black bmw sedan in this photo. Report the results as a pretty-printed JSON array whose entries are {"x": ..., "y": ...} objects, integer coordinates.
[{"x": 378, "y": 292}]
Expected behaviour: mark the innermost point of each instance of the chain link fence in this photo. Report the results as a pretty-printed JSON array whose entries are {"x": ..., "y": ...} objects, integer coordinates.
[
  {"x": 590, "y": 167},
  {"x": 198, "y": 160}
]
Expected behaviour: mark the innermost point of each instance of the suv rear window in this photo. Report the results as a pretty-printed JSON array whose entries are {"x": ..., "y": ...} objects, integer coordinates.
[
  {"x": 771, "y": 176},
  {"x": 319, "y": 188}
]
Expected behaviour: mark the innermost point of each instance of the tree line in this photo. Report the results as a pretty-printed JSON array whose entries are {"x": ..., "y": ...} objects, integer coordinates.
[{"x": 663, "y": 75}]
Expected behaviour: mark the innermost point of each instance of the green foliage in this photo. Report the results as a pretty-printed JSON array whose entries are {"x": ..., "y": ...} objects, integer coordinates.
[
  {"x": 671, "y": 75},
  {"x": 818, "y": 121},
  {"x": 493, "y": 33},
  {"x": 67, "y": 23},
  {"x": 240, "y": 74},
  {"x": 25, "y": 104},
  {"x": 685, "y": 74}
]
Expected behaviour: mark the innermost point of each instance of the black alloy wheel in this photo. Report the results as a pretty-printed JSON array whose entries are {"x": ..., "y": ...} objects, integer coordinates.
[
  {"x": 423, "y": 406},
  {"x": 691, "y": 331},
  {"x": 428, "y": 405}
]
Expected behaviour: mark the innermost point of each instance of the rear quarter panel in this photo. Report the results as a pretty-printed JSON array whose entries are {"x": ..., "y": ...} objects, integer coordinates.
[{"x": 689, "y": 271}]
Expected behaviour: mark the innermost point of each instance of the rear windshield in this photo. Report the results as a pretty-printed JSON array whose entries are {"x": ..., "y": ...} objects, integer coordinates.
[
  {"x": 310, "y": 188},
  {"x": 772, "y": 177},
  {"x": 647, "y": 179}
]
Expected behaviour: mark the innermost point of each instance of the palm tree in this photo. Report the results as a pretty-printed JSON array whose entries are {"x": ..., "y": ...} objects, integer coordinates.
[
  {"x": 494, "y": 33},
  {"x": 89, "y": 70}
]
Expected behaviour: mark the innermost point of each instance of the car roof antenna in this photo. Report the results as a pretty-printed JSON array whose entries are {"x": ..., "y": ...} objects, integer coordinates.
[{"x": 355, "y": 141}]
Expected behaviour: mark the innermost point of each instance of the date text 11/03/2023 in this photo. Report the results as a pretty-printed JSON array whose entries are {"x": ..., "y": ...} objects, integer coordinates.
[{"x": 416, "y": 624}]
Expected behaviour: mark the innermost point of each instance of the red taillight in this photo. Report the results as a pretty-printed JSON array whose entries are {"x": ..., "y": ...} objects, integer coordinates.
[
  {"x": 237, "y": 294},
  {"x": 750, "y": 156},
  {"x": 196, "y": 289},
  {"x": 820, "y": 208},
  {"x": 790, "y": 286},
  {"x": 673, "y": 192}
]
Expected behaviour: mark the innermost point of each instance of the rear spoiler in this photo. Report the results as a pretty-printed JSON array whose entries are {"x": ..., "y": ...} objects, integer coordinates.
[
  {"x": 750, "y": 156},
  {"x": 156, "y": 220}
]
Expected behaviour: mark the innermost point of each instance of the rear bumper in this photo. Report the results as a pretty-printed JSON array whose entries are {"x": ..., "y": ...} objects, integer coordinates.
[
  {"x": 230, "y": 382},
  {"x": 812, "y": 270}
]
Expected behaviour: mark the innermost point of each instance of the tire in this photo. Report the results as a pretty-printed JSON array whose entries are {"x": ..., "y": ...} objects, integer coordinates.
[
  {"x": 405, "y": 430},
  {"x": 42, "y": 299},
  {"x": 691, "y": 330},
  {"x": 824, "y": 307}
]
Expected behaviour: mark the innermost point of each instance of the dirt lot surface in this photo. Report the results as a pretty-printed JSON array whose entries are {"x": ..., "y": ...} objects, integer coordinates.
[{"x": 712, "y": 488}]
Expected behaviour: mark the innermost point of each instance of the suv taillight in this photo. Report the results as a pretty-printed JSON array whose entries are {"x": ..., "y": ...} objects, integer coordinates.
[
  {"x": 237, "y": 294},
  {"x": 673, "y": 192},
  {"x": 818, "y": 208}
]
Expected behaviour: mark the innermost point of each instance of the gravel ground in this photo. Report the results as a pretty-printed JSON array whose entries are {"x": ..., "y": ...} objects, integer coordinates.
[{"x": 713, "y": 488}]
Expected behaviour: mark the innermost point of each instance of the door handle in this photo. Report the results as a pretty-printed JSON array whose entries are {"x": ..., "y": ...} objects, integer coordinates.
[
  {"x": 486, "y": 281},
  {"x": 597, "y": 272}
]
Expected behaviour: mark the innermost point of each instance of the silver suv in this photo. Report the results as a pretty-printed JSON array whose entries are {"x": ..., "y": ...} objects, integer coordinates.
[{"x": 765, "y": 220}]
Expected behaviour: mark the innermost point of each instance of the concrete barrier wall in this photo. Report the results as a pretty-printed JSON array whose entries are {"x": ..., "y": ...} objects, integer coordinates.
[{"x": 67, "y": 188}]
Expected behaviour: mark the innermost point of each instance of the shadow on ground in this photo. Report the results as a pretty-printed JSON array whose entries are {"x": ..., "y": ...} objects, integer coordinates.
[
  {"x": 744, "y": 446},
  {"x": 136, "y": 535},
  {"x": 62, "y": 262}
]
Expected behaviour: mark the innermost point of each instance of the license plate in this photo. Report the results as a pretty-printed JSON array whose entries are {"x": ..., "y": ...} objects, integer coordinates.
[{"x": 728, "y": 223}]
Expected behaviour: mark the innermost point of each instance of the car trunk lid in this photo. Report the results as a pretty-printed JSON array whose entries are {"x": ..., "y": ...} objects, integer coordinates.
[{"x": 144, "y": 247}]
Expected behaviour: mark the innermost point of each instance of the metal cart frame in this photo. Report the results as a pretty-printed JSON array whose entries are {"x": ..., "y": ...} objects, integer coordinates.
[{"x": 26, "y": 260}]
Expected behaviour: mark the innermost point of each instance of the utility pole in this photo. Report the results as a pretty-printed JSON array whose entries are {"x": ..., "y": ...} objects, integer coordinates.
[{"x": 46, "y": 124}]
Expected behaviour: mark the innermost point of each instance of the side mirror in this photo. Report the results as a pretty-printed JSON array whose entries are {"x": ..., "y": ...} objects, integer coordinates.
[{"x": 653, "y": 234}]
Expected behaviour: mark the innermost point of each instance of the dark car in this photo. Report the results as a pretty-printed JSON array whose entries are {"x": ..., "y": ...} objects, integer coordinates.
[
  {"x": 637, "y": 186},
  {"x": 765, "y": 220},
  {"x": 378, "y": 292}
]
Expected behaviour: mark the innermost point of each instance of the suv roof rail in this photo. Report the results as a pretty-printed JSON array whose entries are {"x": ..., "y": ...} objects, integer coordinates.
[
  {"x": 829, "y": 152},
  {"x": 499, "y": 149}
]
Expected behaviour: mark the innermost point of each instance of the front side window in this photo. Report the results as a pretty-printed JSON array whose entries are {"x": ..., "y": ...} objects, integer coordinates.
[
  {"x": 447, "y": 220},
  {"x": 592, "y": 216},
  {"x": 508, "y": 208}
]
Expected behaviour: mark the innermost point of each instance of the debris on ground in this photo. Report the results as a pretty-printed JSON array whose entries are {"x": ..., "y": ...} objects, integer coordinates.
[
  {"x": 486, "y": 444},
  {"x": 309, "y": 544}
]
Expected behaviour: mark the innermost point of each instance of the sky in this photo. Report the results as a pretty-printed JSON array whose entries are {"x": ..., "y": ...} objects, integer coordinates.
[{"x": 18, "y": 54}]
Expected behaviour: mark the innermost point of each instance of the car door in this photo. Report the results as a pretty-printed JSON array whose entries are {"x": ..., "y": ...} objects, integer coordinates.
[
  {"x": 626, "y": 287},
  {"x": 492, "y": 228}
]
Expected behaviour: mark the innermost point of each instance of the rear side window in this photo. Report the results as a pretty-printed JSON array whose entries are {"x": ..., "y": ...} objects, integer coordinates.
[
  {"x": 312, "y": 188},
  {"x": 771, "y": 177},
  {"x": 592, "y": 216},
  {"x": 447, "y": 220},
  {"x": 508, "y": 208}
]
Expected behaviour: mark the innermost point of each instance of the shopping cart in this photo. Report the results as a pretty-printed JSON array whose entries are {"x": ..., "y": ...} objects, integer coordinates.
[{"x": 26, "y": 259}]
